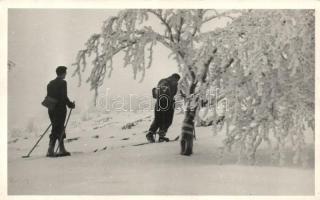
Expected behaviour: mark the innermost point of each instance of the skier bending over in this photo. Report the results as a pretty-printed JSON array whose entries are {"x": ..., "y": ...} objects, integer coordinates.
[{"x": 164, "y": 107}]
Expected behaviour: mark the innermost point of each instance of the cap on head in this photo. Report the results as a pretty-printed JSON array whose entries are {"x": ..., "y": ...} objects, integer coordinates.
[
  {"x": 61, "y": 70},
  {"x": 176, "y": 76}
]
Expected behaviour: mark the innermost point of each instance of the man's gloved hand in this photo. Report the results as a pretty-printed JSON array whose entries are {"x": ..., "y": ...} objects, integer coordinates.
[{"x": 72, "y": 105}]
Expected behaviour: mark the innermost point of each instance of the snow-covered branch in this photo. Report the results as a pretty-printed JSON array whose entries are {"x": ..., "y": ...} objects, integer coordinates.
[{"x": 163, "y": 20}]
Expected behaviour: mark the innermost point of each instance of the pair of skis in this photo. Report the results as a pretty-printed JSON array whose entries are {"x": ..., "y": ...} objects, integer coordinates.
[
  {"x": 34, "y": 146},
  {"x": 144, "y": 143}
]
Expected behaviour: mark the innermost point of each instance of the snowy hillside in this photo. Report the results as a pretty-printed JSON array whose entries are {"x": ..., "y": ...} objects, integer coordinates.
[{"x": 109, "y": 157}]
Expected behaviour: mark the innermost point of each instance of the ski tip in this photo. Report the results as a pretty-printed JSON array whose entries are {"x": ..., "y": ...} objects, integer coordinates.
[{"x": 25, "y": 156}]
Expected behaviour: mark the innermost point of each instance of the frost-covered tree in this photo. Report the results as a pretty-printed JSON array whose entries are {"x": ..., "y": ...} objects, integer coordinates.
[
  {"x": 262, "y": 63},
  {"x": 271, "y": 87},
  {"x": 132, "y": 33}
]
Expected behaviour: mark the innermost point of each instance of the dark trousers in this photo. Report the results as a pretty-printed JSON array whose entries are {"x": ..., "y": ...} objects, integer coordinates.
[
  {"x": 57, "y": 118},
  {"x": 162, "y": 121}
]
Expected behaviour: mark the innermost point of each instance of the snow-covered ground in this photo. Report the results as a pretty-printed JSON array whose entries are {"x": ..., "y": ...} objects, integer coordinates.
[{"x": 107, "y": 160}]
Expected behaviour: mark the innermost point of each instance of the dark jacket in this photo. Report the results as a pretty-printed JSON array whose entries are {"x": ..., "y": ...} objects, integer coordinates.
[
  {"x": 172, "y": 85},
  {"x": 57, "y": 89}
]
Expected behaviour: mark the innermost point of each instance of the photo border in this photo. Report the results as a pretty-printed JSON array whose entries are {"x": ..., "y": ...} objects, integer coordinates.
[{"x": 120, "y": 4}]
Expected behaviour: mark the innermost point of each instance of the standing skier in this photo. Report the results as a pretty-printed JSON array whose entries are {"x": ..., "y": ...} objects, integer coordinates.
[
  {"x": 164, "y": 107},
  {"x": 57, "y": 90}
]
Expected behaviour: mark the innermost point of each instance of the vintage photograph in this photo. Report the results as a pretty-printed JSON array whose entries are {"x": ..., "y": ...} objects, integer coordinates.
[{"x": 161, "y": 101}]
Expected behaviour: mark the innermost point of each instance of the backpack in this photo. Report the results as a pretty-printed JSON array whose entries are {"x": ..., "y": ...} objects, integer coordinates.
[
  {"x": 163, "y": 89},
  {"x": 49, "y": 102}
]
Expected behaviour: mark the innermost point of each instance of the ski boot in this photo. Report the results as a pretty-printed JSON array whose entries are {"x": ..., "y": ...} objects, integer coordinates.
[
  {"x": 162, "y": 134},
  {"x": 150, "y": 137},
  {"x": 50, "y": 152},
  {"x": 62, "y": 150},
  {"x": 163, "y": 139}
]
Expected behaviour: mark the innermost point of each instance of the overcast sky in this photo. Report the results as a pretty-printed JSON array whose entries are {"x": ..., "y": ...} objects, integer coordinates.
[{"x": 41, "y": 39}]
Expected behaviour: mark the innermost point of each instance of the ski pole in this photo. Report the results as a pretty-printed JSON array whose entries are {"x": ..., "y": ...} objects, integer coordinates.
[
  {"x": 27, "y": 156},
  {"x": 64, "y": 129}
]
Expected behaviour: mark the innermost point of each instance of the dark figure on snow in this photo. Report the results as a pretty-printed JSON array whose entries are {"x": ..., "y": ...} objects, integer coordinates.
[
  {"x": 57, "y": 89},
  {"x": 164, "y": 107}
]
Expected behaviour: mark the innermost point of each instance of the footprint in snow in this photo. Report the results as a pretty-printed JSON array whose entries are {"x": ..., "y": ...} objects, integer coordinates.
[
  {"x": 95, "y": 136},
  {"x": 72, "y": 139},
  {"x": 104, "y": 148},
  {"x": 97, "y": 127},
  {"x": 125, "y": 138},
  {"x": 13, "y": 141}
]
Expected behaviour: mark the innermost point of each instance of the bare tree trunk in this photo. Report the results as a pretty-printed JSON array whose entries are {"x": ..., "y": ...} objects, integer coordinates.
[{"x": 187, "y": 132}]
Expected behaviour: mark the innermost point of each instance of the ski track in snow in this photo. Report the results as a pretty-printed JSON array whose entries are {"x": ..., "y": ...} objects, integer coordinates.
[{"x": 109, "y": 161}]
